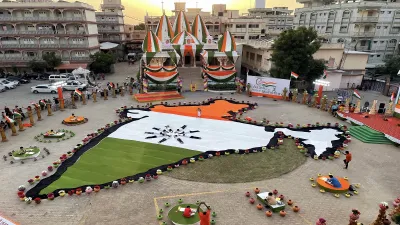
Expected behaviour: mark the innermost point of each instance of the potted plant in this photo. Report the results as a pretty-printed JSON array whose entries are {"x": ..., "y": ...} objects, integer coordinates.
[
  {"x": 184, "y": 162},
  {"x": 78, "y": 191},
  {"x": 252, "y": 200},
  {"x": 169, "y": 168},
  {"x": 237, "y": 151},
  {"x": 38, "y": 200},
  {"x": 201, "y": 158},
  {"x": 281, "y": 197},
  {"x": 192, "y": 160},
  {"x": 217, "y": 153},
  {"x": 28, "y": 200},
  {"x": 123, "y": 181},
  {"x": 50, "y": 196},
  {"x": 159, "y": 172},
  {"x": 96, "y": 188},
  {"x": 71, "y": 192},
  {"x": 210, "y": 156},
  {"x": 37, "y": 178},
  {"x": 55, "y": 164},
  {"x": 155, "y": 177},
  {"x": 44, "y": 173},
  {"x": 141, "y": 179},
  {"x": 61, "y": 193},
  {"x": 115, "y": 184},
  {"x": 246, "y": 151},
  {"x": 50, "y": 168}
]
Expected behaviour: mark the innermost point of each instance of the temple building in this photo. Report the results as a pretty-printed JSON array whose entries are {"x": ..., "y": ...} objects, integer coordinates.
[{"x": 178, "y": 54}]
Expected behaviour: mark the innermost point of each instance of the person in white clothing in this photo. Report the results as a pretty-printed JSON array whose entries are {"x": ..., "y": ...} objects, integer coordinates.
[{"x": 198, "y": 112}]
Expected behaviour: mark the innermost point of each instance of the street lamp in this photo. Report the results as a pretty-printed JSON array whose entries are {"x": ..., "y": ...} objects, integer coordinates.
[{"x": 322, "y": 84}]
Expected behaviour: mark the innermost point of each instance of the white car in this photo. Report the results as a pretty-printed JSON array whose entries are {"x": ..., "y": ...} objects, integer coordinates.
[
  {"x": 2, "y": 88},
  {"x": 8, "y": 84},
  {"x": 44, "y": 88},
  {"x": 72, "y": 85},
  {"x": 55, "y": 78}
]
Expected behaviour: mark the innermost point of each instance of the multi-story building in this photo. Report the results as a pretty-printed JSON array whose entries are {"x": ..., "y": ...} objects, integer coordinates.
[
  {"x": 30, "y": 30},
  {"x": 134, "y": 38},
  {"x": 260, "y": 23},
  {"x": 110, "y": 24},
  {"x": 363, "y": 25}
]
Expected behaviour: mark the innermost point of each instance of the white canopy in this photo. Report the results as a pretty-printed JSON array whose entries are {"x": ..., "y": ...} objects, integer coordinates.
[
  {"x": 107, "y": 45},
  {"x": 80, "y": 70}
]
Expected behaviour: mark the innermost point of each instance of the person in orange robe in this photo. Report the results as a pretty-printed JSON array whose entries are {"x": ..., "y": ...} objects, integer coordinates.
[{"x": 204, "y": 216}]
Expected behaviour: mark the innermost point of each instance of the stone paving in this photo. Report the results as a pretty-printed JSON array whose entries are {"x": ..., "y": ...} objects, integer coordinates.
[{"x": 374, "y": 166}]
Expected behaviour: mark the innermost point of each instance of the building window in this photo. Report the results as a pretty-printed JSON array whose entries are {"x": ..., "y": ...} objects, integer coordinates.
[
  {"x": 378, "y": 56},
  {"x": 220, "y": 13},
  {"x": 252, "y": 56},
  {"x": 378, "y": 27},
  {"x": 247, "y": 55},
  {"x": 385, "y": 27},
  {"x": 393, "y": 41},
  {"x": 253, "y": 25},
  {"x": 375, "y": 42},
  {"x": 240, "y": 25},
  {"x": 382, "y": 12},
  {"x": 382, "y": 42},
  {"x": 346, "y": 14},
  {"x": 389, "y": 12},
  {"x": 259, "y": 58}
]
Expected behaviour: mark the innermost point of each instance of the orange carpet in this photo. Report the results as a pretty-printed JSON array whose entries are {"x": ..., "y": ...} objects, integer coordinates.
[
  {"x": 345, "y": 184},
  {"x": 213, "y": 111},
  {"x": 157, "y": 96}
]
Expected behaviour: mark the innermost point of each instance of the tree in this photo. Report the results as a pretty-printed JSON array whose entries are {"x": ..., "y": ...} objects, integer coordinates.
[
  {"x": 140, "y": 26},
  {"x": 52, "y": 60},
  {"x": 293, "y": 51},
  {"x": 37, "y": 66},
  {"x": 392, "y": 66},
  {"x": 101, "y": 62}
]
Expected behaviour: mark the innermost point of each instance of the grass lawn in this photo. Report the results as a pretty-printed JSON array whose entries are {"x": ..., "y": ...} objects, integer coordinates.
[
  {"x": 237, "y": 168},
  {"x": 116, "y": 158}
]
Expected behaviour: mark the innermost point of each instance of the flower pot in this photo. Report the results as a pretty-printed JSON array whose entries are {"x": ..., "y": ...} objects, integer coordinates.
[
  {"x": 61, "y": 193},
  {"x": 71, "y": 192},
  {"x": 247, "y": 194},
  {"x": 246, "y": 151},
  {"x": 88, "y": 190},
  {"x": 50, "y": 168},
  {"x": 282, "y": 213},
  {"x": 257, "y": 190},
  {"x": 44, "y": 173},
  {"x": 214, "y": 214},
  {"x": 290, "y": 202},
  {"x": 96, "y": 188},
  {"x": 296, "y": 208},
  {"x": 166, "y": 204},
  {"x": 259, "y": 207},
  {"x": 38, "y": 200},
  {"x": 275, "y": 192},
  {"x": 192, "y": 160},
  {"x": 268, "y": 213},
  {"x": 184, "y": 162},
  {"x": 21, "y": 188},
  {"x": 123, "y": 181},
  {"x": 180, "y": 201},
  {"x": 217, "y": 154},
  {"x": 50, "y": 196},
  {"x": 169, "y": 168},
  {"x": 155, "y": 177},
  {"x": 201, "y": 158},
  {"x": 252, "y": 200}
]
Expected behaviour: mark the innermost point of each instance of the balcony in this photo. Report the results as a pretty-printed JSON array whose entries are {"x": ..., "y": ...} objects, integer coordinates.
[
  {"x": 367, "y": 19},
  {"x": 108, "y": 21},
  {"x": 364, "y": 34},
  {"x": 25, "y": 59},
  {"x": 44, "y": 46},
  {"x": 40, "y": 19},
  {"x": 40, "y": 32},
  {"x": 109, "y": 31},
  {"x": 110, "y": 39}
]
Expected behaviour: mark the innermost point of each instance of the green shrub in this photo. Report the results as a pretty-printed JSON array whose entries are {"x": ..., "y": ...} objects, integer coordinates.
[
  {"x": 222, "y": 86},
  {"x": 162, "y": 87}
]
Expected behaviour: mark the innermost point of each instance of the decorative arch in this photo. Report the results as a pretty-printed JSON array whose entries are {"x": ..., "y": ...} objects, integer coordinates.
[{"x": 346, "y": 12}]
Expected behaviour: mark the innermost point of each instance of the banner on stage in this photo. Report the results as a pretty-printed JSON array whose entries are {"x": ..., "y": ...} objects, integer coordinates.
[{"x": 268, "y": 86}]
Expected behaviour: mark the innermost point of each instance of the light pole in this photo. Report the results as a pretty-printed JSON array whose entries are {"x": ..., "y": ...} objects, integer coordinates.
[{"x": 322, "y": 84}]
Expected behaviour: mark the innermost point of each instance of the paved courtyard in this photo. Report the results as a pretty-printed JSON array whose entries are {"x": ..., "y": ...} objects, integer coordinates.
[{"x": 374, "y": 166}]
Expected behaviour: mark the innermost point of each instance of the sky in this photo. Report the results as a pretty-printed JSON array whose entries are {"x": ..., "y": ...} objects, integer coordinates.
[{"x": 138, "y": 8}]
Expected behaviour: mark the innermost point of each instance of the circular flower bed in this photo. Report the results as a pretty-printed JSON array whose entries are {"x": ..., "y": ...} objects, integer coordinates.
[{"x": 54, "y": 136}]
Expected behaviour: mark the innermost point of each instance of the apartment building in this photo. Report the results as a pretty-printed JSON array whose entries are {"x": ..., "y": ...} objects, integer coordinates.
[
  {"x": 134, "y": 38},
  {"x": 260, "y": 23},
  {"x": 30, "y": 29},
  {"x": 346, "y": 68},
  {"x": 362, "y": 25},
  {"x": 110, "y": 24}
]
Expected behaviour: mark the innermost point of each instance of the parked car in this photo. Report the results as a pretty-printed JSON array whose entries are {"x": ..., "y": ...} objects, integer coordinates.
[
  {"x": 55, "y": 78},
  {"x": 44, "y": 88},
  {"x": 73, "y": 85},
  {"x": 2, "y": 88},
  {"x": 13, "y": 81},
  {"x": 8, "y": 84},
  {"x": 19, "y": 79}
]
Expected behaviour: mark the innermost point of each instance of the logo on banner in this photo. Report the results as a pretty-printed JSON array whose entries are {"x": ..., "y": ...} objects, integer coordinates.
[{"x": 266, "y": 85}]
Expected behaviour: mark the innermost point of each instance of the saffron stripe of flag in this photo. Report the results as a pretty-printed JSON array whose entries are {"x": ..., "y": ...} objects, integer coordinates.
[
  {"x": 294, "y": 75},
  {"x": 78, "y": 92},
  {"x": 356, "y": 94}
]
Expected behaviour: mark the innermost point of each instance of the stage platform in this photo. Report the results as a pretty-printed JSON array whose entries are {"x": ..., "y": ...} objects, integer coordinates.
[
  {"x": 157, "y": 96},
  {"x": 390, "y": 128}
]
